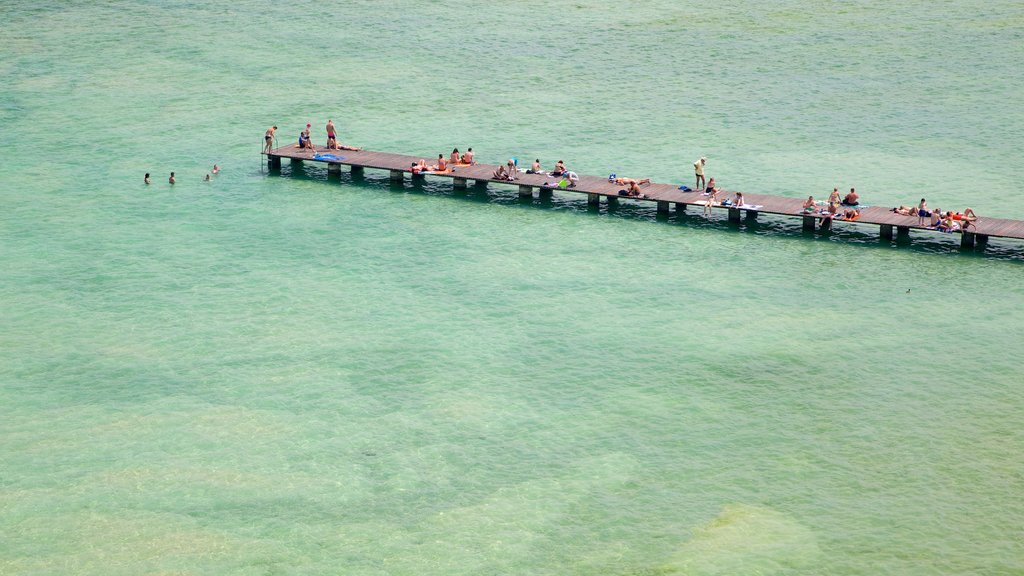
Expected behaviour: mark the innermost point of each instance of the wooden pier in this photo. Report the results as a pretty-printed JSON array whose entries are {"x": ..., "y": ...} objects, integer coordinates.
[{"x": 664, "y": 196}]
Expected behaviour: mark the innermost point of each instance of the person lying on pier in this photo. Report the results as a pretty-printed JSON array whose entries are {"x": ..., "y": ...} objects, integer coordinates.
[
  {"x": 632, "y": 181},
  {"x": 417, "y": 167},
  {"x": 948, "y": 224},
  {"x": 851, "y": 214},
  {"x": 467, "y": 158},
  {"x": 851, "y": 199},
  {"x": 809, "y": 204},
  {"x": 905, "y": 210},
  {"x": 559, "y": 169}
]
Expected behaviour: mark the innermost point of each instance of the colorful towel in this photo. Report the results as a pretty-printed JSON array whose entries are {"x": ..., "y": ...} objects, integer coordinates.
[{"x": 331, "y": 157}]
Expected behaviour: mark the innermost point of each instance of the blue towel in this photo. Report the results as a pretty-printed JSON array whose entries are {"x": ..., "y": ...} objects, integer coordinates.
[
  {"x": 685, "y": 188},
  {"x": 328, "y": 157}
]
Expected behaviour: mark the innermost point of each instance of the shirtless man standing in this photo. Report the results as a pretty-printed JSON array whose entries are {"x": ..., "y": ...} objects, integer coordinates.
[
  {"x": 268, "y": 139},
  {"x": 332, "y": 139}
]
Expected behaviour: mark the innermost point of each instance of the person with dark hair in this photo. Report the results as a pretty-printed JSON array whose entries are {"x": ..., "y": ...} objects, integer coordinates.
[
  {"x": 146, "y": 179},
  {"x": 171, "y": 179}
]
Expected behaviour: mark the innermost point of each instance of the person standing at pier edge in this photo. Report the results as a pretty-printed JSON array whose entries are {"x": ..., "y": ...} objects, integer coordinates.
[
  {"x": 698, "y": 169},
  {"x": 331, "y": 136},
  {"x": 268, "y": 138}
]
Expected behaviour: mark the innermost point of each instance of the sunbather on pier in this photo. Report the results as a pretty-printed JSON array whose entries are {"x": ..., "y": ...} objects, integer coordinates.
[
  {"x": 559, "y": 168},
  {"x": 968, "y": 219},
  {"x": 467, "y": 157},
  {"x": 455, "y": 158},
  {"x": 809, "y": 205},
  {"x": 905, "y": 210},
  {"x": 441, "y": 166},
  {"x": 623, "y": 181},
  {"x": 634, "y": 189},
  {"x": 851, "y": 199},
  {"x": 500, "y": 173},
  {"x": 737, "y": 201},
  {"x": 711, "y": 186}
]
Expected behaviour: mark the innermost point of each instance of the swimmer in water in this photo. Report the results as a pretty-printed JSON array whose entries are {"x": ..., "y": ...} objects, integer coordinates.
[{"x": 146, "y": 179}]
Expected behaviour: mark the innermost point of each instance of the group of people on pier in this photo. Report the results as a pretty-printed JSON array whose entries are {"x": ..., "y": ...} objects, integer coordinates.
[{"x": 306, "y": 140}]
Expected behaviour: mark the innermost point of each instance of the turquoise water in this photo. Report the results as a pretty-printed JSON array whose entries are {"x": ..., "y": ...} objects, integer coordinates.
[{"x": 291, "y": 374}]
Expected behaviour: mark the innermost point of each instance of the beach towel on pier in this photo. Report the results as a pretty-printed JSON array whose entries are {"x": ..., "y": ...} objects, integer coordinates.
[{"x": 332, "y": 157}]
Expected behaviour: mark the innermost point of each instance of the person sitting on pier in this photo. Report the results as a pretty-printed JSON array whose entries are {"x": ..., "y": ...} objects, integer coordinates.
[
  {"x": 947, "y": 224},
  {"x": 559, "y": 168},
  {"x": 711, "y": 201},
  {"x": 634, "y": 190},
  {"x": 851, "y": 199},
  {"x": 934, "y": 218},
  {"x": 500, "y": 173},
  {"x": 738, "y": 200},
  {"x": 467, "y": 158},
  {"x": 418, "y": 167},
  {"x": 441, "y": 166},
  {"x": 511, "y": 173},
  {"x": 967, "y": 219},
  {"x": 711, "y": 187},
  {"x": 535, "y": 169},
  {"x": 809, "y": 204},
  {"x": 268, "y": 138},
  {"x": 851, "y": 214},
  {"x": 455, "y": 158},
  {"x": 305, "y": 141}
]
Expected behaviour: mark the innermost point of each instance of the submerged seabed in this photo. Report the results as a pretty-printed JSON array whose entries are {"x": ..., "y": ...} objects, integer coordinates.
[{"x": 290, "y": 375}]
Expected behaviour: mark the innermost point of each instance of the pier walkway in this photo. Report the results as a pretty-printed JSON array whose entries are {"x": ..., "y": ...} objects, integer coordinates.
[{"x": 665, "y": 196}]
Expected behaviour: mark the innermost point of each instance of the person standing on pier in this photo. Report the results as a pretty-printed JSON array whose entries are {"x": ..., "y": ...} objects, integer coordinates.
[
  {"x": 268, "y": 139},
  {"x": 698, "y": 170},
  {"x": 332, "y": 138}
]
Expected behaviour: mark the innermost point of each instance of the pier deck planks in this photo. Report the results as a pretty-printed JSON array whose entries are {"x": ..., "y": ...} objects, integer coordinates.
[{"x": 779, "y": 205}]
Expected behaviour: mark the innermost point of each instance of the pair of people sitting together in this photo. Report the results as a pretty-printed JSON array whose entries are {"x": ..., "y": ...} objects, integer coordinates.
[{"x": 463, "y": 159}]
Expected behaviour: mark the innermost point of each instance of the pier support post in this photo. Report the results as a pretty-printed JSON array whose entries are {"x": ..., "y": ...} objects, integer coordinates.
[
  {"x": 397, "y": 176},
  {"x": 903, "y": 233},
  {"x": 662, "y": 207},
  {"x": 809, "y": 223},
  {"x": 333, "y": 168},
  {"x": 826, "y": 225},
  {"x": 545, "y": 192},
  {"x": 459, "y": 183},
  {"x": 967, "y": 240},
  {"x": 357, "y": 169},
  {"x": 752, "y": 215},
  {"x": 296, "y": 161},
  {"x": 680, "y": 208},
  {"x": 981, "y": 240},
  {"x": 612, "y": 200},
  {"x": 274, "y": 162},
  {"x": 593, "y": 199},
  {"x": 734, "y": 215},
  {"x": 525, "y": 191},
  {"x": 886, "y": 231}
]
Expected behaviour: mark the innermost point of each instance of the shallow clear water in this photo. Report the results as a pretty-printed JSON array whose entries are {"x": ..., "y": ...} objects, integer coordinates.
[{"x": 291, "y": 374}]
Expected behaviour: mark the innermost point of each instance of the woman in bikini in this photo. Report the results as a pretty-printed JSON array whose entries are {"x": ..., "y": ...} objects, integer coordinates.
[{"x": 454, "y": 159}]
